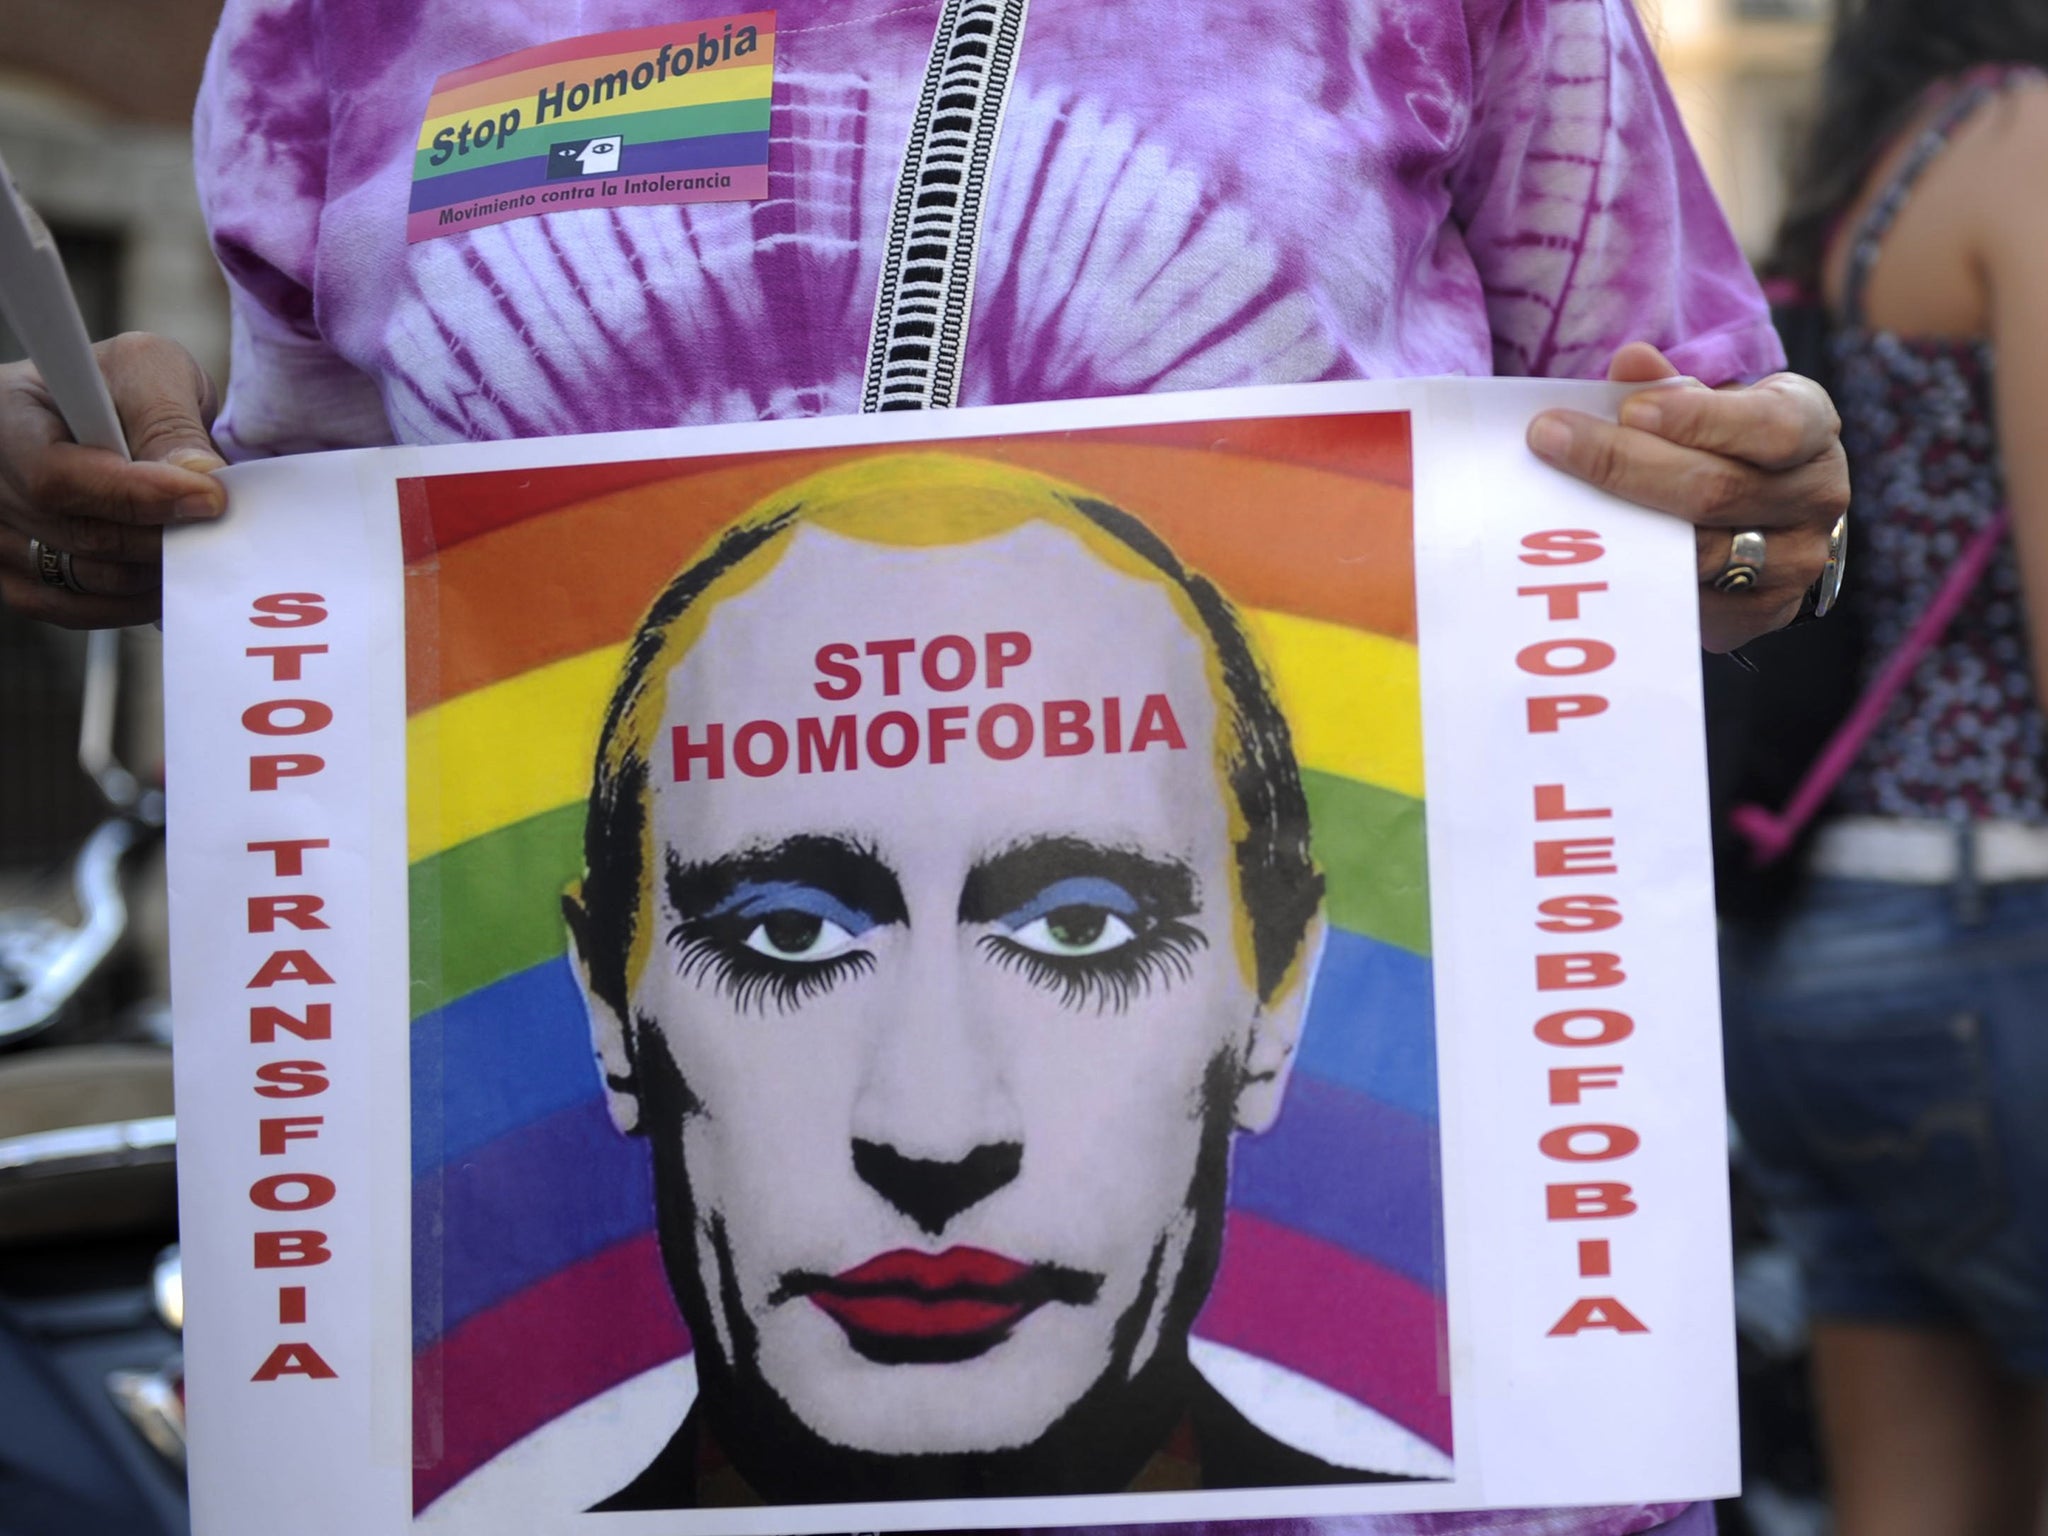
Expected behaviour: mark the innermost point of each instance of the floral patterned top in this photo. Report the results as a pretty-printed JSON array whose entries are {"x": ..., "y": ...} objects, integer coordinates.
[{"x": 1965, "y": 737}]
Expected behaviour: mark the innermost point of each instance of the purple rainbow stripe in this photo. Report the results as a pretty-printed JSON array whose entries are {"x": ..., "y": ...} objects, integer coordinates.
[
  {"x": 1286, "y": 1297},
  {"x": 510, "y": 1370},
  {"x": 531, "y": 1203},
  {"x": 1387, "y": 1213},
  {"x": 748, "y": 183}
]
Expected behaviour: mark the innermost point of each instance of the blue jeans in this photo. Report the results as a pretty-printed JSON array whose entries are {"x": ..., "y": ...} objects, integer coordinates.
[{"x": 1888, "y": 1067}]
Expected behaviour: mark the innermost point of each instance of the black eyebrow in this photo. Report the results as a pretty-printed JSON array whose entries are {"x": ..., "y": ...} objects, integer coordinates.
[
  {"x": 1011, "y": 876},
  {"x": 841, "y": 867}
]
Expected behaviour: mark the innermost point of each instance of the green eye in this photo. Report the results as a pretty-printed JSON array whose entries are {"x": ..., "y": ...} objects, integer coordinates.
[{"x": 1076, "y": 930}]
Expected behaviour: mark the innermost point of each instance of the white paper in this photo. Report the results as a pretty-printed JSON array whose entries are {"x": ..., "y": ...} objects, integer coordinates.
[{"x": 1583, "y": 1348}]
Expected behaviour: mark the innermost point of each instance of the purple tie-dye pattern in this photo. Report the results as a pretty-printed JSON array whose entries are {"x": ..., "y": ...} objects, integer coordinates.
[
  {"x": 1213, "y": 192},
  {"x": 1187, "y": 195}
]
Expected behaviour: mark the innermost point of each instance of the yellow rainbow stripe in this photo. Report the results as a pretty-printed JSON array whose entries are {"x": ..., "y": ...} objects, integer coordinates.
[
  {"x": 1352, "y": 698},
  {"x": 517, "y": 748}
]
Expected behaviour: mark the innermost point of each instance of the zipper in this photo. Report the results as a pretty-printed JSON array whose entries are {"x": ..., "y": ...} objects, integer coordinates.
[{"x": 926, "y": 293}]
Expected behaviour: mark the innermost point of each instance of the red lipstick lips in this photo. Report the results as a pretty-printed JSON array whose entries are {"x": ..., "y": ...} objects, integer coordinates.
[
  {"x": 959, "y": 1294},
  {"x": 910, "y": 1308}
]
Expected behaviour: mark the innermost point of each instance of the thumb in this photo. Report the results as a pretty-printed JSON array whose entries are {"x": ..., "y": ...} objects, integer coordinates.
[
  {"x": 1640, "y": 363},
  {"x": 198, "y": 456},
  {"x": 165, "y": 401}
]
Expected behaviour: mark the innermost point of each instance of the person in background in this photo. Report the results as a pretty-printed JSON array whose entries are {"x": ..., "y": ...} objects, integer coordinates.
[
  {"x": 1887, "y": 1052},
  {"x": 1182, "y": 195}
]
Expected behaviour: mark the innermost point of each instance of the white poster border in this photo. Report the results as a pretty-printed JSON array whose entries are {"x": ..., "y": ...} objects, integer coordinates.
[{"x": 1652, "y": 1413}]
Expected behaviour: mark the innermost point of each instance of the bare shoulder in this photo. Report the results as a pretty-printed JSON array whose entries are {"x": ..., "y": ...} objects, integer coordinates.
[
  {"x": 1974, "y": 226},
  {"x": 2017, "y": 121},
  {"x": 1999, "y": 163}
]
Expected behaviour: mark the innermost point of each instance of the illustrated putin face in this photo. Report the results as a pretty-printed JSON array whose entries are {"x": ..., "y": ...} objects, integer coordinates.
[{"x": 941, "y": 993}]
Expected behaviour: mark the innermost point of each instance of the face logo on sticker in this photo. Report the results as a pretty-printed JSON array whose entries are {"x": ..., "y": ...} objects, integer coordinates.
[{"x": 583, "y": 157}]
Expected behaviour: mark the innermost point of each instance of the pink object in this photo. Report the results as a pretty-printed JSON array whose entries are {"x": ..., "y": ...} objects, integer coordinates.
[
  {"x": 515, "y": 1367},
  {"x": 1335, "y": 1317},
  {"x": 1770, "y": 834}
]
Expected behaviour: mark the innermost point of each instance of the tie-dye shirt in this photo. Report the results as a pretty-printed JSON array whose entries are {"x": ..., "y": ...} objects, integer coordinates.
[{"x": 1186, "y": 193}]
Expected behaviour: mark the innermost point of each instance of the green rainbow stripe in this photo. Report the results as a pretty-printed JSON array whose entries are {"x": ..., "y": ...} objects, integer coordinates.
[{"x": 488, "y": 908}]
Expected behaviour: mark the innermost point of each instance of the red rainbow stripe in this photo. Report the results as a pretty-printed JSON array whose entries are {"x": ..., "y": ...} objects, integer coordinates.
[{"x": 441, "y": 512}]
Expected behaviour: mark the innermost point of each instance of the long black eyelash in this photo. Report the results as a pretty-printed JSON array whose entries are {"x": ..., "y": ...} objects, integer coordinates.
[
  {"x": 753, "y": 980},
  {"x": 1109, "y": 981}
]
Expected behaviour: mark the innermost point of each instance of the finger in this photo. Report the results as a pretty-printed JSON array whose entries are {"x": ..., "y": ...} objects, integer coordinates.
[
  {"x": 28, "y": 417},
  {"x": 65, "y": 480},
  {"x": 1710, "y": 489},
  {"x": 69, "y": 610},
  {"x": 1640, "y": 363},
  {"x": 1779, "y": 423},
  {"x": 98, "y": 578},
  {"x": 1732, "y": 619},
  {"x": 1793, "y": 558},
  {"x": 106, "y": 578},
  {"x": 165, "y": 400},
  {"x": 95, "y": 538},
  {"x": 22, "y": 590}
]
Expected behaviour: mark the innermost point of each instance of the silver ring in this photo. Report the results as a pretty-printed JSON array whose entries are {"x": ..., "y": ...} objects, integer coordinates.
[
  {"x": 49, "y": 564},
  {"x": 1829, "y": 587},
  {"x": 53, "y": 567},
  {"x": 1745, "y": 564}
]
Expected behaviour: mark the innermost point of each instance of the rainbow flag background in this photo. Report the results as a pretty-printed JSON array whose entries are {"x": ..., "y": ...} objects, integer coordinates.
[
  {"x": 675, "y": 114},
  {"x": 536, "y": 1284}
]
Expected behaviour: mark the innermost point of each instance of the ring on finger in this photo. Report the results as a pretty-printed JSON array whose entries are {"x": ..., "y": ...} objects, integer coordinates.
[
  {"x": 53, "y": 567},
  {"x": 71, "y": 581},
  {"x": 1744, "y": 566},
  {"x": 48, "y": 563},
  {"x": 1829, "y": 587}
]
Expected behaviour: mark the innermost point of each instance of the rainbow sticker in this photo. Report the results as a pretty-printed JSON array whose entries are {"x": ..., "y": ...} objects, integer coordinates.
[{"x": 669, "y": 114}]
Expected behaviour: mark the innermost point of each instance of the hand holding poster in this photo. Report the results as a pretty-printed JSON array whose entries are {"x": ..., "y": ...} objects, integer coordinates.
[{"x": 1139, "y": 960}]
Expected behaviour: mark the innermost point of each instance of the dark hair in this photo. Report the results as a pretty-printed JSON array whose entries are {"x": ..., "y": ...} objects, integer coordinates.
[
  {"x": 1884, "y": 56},
  {"x": 1276, "y": 871}
]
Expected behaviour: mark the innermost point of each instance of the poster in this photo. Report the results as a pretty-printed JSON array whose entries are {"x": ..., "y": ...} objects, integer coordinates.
[{"x": 1116, "y": 961}]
